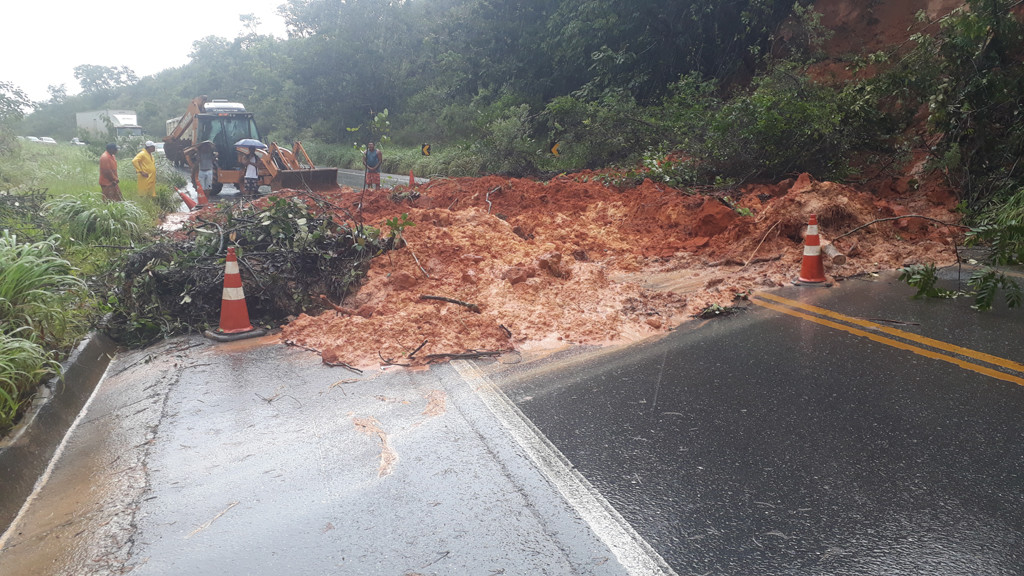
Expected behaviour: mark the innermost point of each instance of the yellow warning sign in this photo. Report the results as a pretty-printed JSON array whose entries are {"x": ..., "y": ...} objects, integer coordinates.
[
  {"x": 425, "y": 149},
  {"x": 554, "y": 148}
]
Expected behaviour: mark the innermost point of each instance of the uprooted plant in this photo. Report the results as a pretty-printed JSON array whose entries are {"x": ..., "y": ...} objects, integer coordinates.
[{"x": 288, "y": 256}]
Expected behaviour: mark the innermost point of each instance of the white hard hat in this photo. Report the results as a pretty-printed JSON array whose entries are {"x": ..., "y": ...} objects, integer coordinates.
[{"x": 149, "y": 144}]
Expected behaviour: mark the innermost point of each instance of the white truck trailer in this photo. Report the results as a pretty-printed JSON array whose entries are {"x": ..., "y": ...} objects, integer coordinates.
[{"x": 104, "y": 124}]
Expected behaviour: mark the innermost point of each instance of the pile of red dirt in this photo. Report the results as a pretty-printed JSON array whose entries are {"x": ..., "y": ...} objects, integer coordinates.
[{"x": 529, "y": 265}]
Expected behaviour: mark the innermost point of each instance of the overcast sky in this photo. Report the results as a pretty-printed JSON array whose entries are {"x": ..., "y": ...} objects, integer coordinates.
[{"x": 43, "y": 40}]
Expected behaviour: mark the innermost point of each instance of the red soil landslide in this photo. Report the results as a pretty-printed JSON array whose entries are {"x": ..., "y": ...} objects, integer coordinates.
[{"x": 536, "y": 265}]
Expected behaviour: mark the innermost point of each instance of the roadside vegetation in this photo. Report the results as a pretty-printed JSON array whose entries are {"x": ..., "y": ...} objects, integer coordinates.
[
  {"x": 696, "y": 95},
  {"x": 59, "y": 243}
]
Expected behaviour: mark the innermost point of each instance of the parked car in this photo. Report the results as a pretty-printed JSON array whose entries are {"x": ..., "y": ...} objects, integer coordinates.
[
  {"x": 77, "y": 142},
  {"x": 32, "y": 139},
  {"x": 47, "y": 140},
  {"x": 159, "y": 148}
]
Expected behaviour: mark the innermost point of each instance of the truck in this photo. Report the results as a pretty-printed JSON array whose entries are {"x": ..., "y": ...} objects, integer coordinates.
[
  {"x": 108, "y": 124},
  {"x": 224, "y": 123}
]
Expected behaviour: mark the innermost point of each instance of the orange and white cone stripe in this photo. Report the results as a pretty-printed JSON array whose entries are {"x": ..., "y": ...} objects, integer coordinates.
[
  {"x": 186, "y": 199},
  {"x": 234, "y": 314},
  {"x": 812, "y": 269},
  {"x": 201, "y": 199}
]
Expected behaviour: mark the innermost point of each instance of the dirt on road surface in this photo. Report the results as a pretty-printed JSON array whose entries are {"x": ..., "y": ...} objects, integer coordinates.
[{"x": 498, "y": 264}]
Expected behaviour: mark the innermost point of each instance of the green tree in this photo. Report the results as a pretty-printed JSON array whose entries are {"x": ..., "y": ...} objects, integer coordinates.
[
  {"x": 95, "y": 78},
  {"x": 13, "y": 103}
]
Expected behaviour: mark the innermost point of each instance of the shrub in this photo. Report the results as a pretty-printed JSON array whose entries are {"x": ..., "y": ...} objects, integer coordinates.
[{"x": 507, "y": 147}]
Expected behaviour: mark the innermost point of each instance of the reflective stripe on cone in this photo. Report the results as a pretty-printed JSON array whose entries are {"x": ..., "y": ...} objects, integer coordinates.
[
  {"x": 234, "y": 314},
  {"x": 812, "y": 269}
]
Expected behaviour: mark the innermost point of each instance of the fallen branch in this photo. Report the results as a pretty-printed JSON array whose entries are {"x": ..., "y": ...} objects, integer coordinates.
[
  {"x": 466, "y": 355},
  {"x": 765, "y": 237},
  {"x": 307, "y": 348},
  {"x": 389, "y": 361},
  {"x": 406, "y": 242},
  {"x": 418, "y": 348},
  {"x": 506, "y": 330},
  {"x": 899, "y": 218},
  {"x": 472, "y": 307},
  {"x": 488, "y": 198},
  {"x": 956, "y": 252},
  {"x": 212, "y": 520},
  {"x": 342, "y": 365}
]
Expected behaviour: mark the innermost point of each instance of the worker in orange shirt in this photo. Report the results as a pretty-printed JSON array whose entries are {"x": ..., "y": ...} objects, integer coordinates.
[
  {"x": 145, "y": 166},
  {"x": 108, "y": 175}
]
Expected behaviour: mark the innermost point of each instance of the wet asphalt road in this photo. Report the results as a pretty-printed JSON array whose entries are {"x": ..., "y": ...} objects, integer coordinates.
[
  {"x": 764, "y": 443},
  {"x": 253, "y": 458},
  {"x": 785, "y": 439}
]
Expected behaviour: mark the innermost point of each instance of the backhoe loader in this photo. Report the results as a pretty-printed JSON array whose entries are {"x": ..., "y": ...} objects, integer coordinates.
[{"x": 225, "y": 123}]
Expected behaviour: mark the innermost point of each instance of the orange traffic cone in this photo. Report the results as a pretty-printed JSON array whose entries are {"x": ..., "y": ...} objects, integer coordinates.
[
  {"x": 234, "y": 315},
  {"x": 201, "y": 195},
  {"x": 412, "y": 179},
  {"x": 812, "y": 270},
  {"x": 186, "y": 199}
]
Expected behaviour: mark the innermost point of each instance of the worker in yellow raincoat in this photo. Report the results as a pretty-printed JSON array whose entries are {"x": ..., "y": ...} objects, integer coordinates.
[{"x": 145, "y": 166}]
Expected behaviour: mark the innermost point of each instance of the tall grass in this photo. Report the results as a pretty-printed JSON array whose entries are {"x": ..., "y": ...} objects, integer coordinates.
[
  {"x": 38, "y": 297},
  {"x": 91, "y": 219},
  {"x": 23, "y": 364},
  {"x": 37, "y": 289}
]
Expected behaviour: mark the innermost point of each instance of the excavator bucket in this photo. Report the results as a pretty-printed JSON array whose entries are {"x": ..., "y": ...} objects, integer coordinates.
[
  {"x": 314, "y": 179},
  {"x": 289, "y": 172}
]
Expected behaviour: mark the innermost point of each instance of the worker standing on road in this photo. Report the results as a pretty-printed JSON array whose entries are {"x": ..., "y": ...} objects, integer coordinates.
[
  {"x": 372, "y": 159},
  {"x": 206, "y": 157},
  {"x": 145, "y": 166},
  {"x": 108, "y": 175},
  {"x": 251, "y": 185}
]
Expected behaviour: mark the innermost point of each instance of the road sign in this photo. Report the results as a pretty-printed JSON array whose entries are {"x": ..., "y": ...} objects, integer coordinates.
[
  {"x": 425, "y": 150},
  {"x": 554, "y": 148}
]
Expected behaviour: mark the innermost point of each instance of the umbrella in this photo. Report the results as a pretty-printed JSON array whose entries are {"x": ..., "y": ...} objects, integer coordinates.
[{"x": 251, "y": 143}]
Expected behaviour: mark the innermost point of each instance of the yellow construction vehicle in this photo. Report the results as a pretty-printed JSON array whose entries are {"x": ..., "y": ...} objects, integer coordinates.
[{"x": 225, "y": 123}]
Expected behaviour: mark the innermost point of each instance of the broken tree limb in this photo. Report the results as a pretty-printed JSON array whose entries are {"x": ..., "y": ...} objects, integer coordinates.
[
  {"x": 900, "y": 218},
  {"x": 390, "y": 361},
  {"x": 342, "y": 365},
  {"x": 466, "y": 355},
  {"x": 406, "y": 242},
  {"x": 830, "y": 250},
  {"x": 488, "y": 198},
  {"x": 763, "y": 238},
  {"x": 418, "y": 348},
  {"x": 472, "y": 307}
]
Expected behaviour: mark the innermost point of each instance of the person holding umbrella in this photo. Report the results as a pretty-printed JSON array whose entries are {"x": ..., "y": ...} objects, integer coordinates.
[{"x": 251, "y": 180}]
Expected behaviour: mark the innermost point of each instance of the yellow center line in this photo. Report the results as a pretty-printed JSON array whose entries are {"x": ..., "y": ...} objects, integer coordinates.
[
  {"x": 996, "y": 360},
  {"x": 890, "y": 342}
]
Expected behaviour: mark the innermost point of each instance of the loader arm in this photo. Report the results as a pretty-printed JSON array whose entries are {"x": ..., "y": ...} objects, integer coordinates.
[{"x": 187, "y": 119}]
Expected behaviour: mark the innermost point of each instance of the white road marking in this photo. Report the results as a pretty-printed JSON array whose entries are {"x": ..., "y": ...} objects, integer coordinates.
[{"x": 632, "y": 551}]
